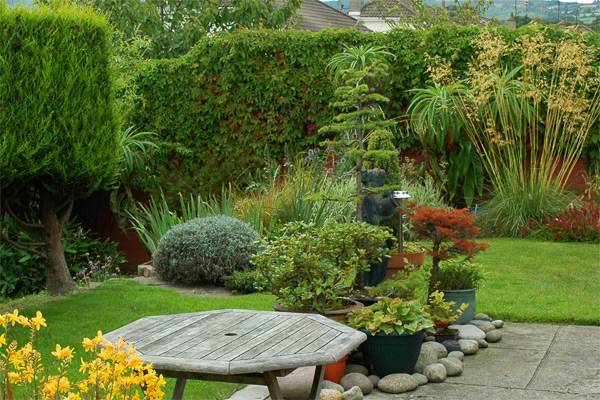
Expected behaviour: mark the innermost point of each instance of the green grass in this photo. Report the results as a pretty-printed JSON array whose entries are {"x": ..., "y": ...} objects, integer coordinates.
[
  {"x": 527, "y": 281},
  {"x": 541, "y": 282},
  {"x": 117, "y": 303}
]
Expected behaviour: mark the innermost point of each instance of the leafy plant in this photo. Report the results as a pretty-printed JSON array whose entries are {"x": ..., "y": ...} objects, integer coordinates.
[
  {"x": 392, "y": 315},
  {"x": 246, "y": 281},
  {"x": 440, "y": 309},
  {"x": 452, "y": 234},
  {"x": 575, "y": 224},
  {"x": 205, "y": 250},
  {"x": 450, "y": 154},
  {"x": 305, "y": 263},
  {"x": 459, "y": 275},
  {"x": 23, "y": 273},
  {"x": 99, "y": 270},
  {"x": 414, "y": 286}
]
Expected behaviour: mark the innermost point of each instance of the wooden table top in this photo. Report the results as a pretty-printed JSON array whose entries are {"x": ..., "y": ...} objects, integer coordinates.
[{"x": 230, "y": 342}]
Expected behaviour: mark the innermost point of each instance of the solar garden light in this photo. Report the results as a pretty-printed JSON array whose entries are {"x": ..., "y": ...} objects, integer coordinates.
[{"x": 399, "y": 195}]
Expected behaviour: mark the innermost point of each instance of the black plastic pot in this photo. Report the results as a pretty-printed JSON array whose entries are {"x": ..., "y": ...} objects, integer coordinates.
[{"x": 391, "y": 354}]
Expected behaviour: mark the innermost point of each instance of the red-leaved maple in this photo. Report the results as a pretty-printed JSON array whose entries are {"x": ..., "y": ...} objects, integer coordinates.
[{"x": 452, "y": 232}]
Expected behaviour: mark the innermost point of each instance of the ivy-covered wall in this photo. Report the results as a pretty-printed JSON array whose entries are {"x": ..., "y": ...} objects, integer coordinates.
[{"x": 235, "y": 95}]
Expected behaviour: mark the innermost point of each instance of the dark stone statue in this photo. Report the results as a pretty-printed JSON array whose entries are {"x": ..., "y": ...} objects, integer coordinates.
[{"x": 377, "y": 208}]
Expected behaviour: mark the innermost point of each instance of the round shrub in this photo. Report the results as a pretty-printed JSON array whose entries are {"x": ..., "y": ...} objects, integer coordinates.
[{"x": 205, "y": 250}]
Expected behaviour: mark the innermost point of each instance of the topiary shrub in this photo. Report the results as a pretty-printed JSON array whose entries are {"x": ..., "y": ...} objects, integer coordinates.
[{"x": 205, "y": 250}]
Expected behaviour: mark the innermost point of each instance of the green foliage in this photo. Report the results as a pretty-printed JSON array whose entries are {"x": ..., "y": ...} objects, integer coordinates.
[
  {"x": 246, "y": 281},
  {"x": 305, "y": 263},
  {"x": 452, "y": 158},
  {"x": 175, "y": 27},
  {"x": 415, "y": 286},
  {"x": 381, "y": 153},
  {"x": 65, "y": 135},
  {"x": 392, "y": 315},
  {"x": 22, "y": 272},
  {"x": 205, "y": 250},
  {"x": 441, "y": 310},
  {"x": 459, "y": 275}
]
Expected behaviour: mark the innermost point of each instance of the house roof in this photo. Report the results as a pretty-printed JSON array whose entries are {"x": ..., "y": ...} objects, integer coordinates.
[
  {"x": 387, "y": 8},
  {"x": 315, "y": 16}
]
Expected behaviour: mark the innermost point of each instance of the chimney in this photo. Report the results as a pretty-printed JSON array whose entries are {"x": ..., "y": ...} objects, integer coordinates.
[
  {"x": 443, "y": 4},
  {"x": 511, "y": 23},
  {"x": 355, "y": 7}
]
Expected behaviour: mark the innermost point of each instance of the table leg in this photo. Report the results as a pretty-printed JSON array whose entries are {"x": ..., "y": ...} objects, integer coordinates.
[
  {"x": 179, "y": 388},
  {"x": 315, "y": 391},
  {"x": 273, "y": 385}
]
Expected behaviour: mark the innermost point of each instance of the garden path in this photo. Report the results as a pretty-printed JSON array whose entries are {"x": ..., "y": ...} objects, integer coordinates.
[{"x": 532, "y": 361}]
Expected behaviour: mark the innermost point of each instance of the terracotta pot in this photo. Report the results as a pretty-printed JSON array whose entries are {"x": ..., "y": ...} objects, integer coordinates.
[
  {"x": 440, "y": 324},
  {"x": 336, "y": 315},
  {"x": 397, "y": 262},
  {"x": 335, "y": 372}
]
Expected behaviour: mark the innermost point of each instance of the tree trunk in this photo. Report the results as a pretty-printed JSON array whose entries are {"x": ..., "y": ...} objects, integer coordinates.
[{"x": 58, "y": 278}]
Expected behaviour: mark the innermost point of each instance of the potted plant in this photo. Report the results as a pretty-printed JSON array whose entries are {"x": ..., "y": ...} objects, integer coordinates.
[
  {"x": 306, "y": 263},
  {"x": 459, "y": 280},
  {"x": 395, "y": 331},
  {"x": 443, "y": 314},
  {"x": 411, "y": 253},
  {"x": 452, "y": 234}
]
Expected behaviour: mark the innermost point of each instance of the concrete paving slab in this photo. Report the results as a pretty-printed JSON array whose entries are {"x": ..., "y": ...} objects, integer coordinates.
[
  {"x": 449, "y": 391},
  {"x": 531, "y": 362},
  {"x": 572, "y": 363},
  {"x": 505, "y": 368},
  {"x": 526, "y": 336}
]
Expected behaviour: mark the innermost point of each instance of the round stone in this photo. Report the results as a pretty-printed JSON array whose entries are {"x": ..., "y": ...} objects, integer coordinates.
[
  {"x": 356, "y": 379},
  {"x": 435, "y": 372},
  {"x": 478, "y": 322},
  {"x": 468, "y": 346},
  {"x": 422, "y": 379},
  {"x": 332, "y": 386},
  {"x": 330, "y": 394},
  {"x": 482, "y": 316},
  {"x": 374, "y": 380},
  {"x": 457, "y": 354},
  {"x": 397, "y": 383},
  {"x": 430, "y": 353},
  {"x": 361, "y": 369},
  {"x": 430, "y": 338},
  {"x": 493, "y": 336},
  {"x": 469, "y": 332},
  {"x": 354, "y": 393},
  {"x": 482, "y": 344},
  {"x": 451, "y": 345},
  {"x": 498, "y": 323},
  {"x": 487, "y": 327},
  {"x": 453, "y": 366}
]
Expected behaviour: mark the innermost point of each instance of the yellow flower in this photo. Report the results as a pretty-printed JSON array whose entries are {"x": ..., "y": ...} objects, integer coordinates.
[
  {"x": 73, "y": 396},
  {"x": 14, "y": 317},
  {"x": 99, "y": 339},
  {"x": 38, "y": 321},
  {"x": 3, "y": 320},
  {"x": 64, "y": 384},
  {"x": 14, "y": 377},
  {"x": 88, "y": 344},
  {"x": 61, "y": 353},
  {"x": 2, "y": 340}
]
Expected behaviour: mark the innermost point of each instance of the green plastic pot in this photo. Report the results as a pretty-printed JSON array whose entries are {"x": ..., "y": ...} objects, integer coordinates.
[
  {"x": 459, "y": 297},
  {"x": 391, "y": 353}
]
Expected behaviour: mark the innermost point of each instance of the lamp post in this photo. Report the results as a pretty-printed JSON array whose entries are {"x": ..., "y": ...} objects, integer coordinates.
[{"x": 399, "y": 195}]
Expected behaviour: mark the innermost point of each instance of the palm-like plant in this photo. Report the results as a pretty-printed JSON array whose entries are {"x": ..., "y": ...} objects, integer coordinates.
[
  {"x": 356, "y": 58},
  {"x": 435, "y": 117}
]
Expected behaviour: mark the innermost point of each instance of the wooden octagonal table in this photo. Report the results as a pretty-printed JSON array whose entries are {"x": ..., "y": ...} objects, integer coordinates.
[{"x": 240, "y": 346}]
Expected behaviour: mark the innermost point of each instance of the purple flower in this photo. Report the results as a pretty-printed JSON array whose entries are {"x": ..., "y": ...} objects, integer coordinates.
[
  {"x": 317, "y": 150},
  {"x": 311, "y": 152},
  {"x": 95, "y": 267},
  {"x": 423, "y": 164},
  {"x": 346, "y": 137},
  {"x": 109, "y": 258},
  {"x": 81, "y": 273},
  {"x": 330, "y": 170},
  {"x": 86, "y": 277},
  {"x": 307, "y": 159},
  {"x": 114, "y": 275},
  {"x": 342, "y": 161}
]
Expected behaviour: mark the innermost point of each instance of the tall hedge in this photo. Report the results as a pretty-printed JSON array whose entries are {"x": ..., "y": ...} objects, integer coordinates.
[
  {"x": 235, "y": 94},
  {"x": 58, "y": 121}
]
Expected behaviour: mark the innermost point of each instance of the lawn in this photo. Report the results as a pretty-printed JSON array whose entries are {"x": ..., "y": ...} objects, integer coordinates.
[{"x": 527, "y": 281}]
